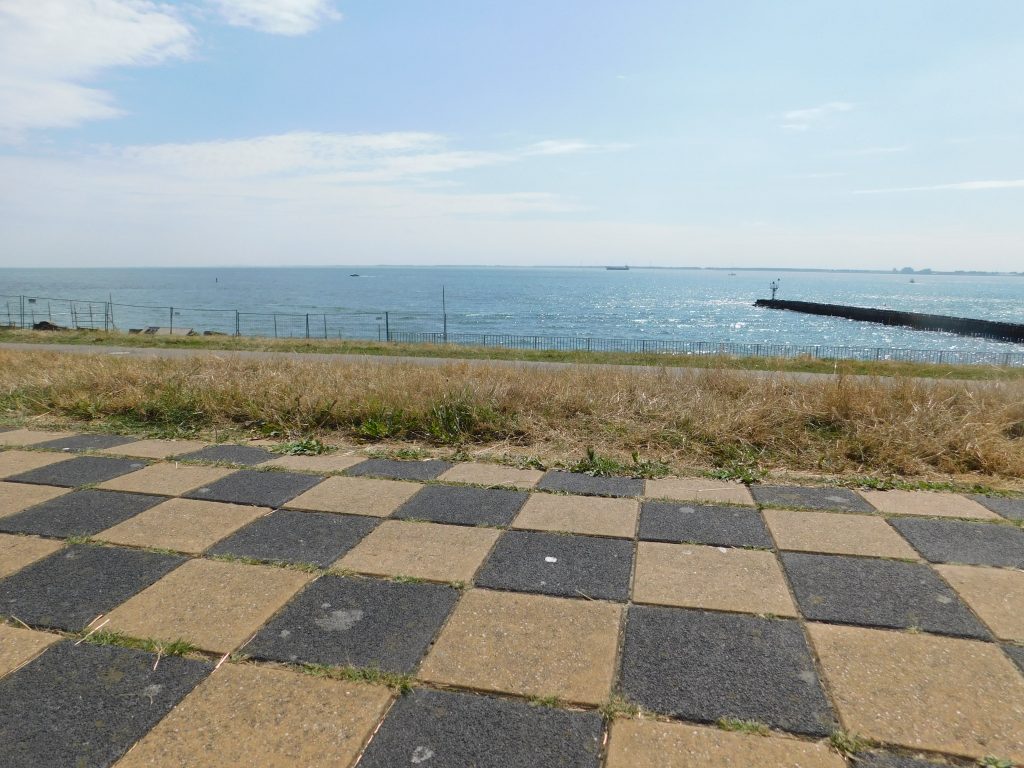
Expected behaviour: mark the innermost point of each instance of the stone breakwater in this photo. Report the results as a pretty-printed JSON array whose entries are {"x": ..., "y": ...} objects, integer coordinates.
[{"x": 963, "y": 326}]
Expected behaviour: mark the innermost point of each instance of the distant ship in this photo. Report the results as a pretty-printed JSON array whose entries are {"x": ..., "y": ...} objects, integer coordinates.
[{"x": 620, "y": 269}]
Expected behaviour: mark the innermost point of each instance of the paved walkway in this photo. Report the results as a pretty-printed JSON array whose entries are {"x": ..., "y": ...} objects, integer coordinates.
[
  {"x": 175, "y": 603},
  {"x": 172, "y": 353}
]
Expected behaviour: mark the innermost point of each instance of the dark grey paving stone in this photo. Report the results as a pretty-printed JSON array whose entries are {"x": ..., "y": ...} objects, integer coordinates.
[
  {"x": 887, "y": 760},
  {"x": 82, "y": 470},
  {"x": 573, "y": 566},
  {"x": 357, "y": 622},
  {"x": 86, "y": 705},
  {"x": 703, "y": 524},
  {"x": 1016, "y": 652},
  {"x": 79, "y": 513},
  {"x": 400, "y": 470},
  {"x": 463, "y": 506},
  {"x": 878, "y": 593},
  {"x": 953, "y": 541},
  {"x": 704, "y": 666},
  {"x": 86, "y": 442},
  {"x": 298, "y": 537},
  {"x": 831, "y": 499},
  {"x": 588, "y": 485},
  {"x": 73, "y": 586},
  {"x": 263, "y": 489},
  {"x": 249, "y": 455},
  {"x": 1011, "y": 509},
  {"x": 441, "y": 729}
]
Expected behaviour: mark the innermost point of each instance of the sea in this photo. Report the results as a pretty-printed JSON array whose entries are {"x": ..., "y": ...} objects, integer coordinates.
[{"x": 663, "y": 304}]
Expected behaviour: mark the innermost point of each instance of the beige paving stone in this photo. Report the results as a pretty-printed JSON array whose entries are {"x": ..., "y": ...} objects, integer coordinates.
[
  {"x": 329, "y": 462},
  {"x": 16, "y": 462},
  {"x": 269, "y": 717},
  {"x": 215, "y": 605},
  {"x": 167, "y": 479},
  {"x": 528, "y": 645},
  {"x": 30, "y": 437},
  {"x": 184, "y": 525},
  {"x": 718, "y": 578},
  {"x": 155, "y": 449},
  {"x": 995, "y": 594},
  {"x": 492, "y": 474},
  {"x": 652, "y": 744},
  {"x": 924, "y": 692},
  {"x": 18, "y": 646},
  {"x": 356, "y": 496},
  {"x": 18, "y": 551},
  {"x": 928, "y": 504},
  {"x": 15, "y": 497},
  {"x": 579, "y": 514},
  {"x": 423, "y": 550},
  {"x": 836, "y": 534},
  {"x": 698, "y": 489}
]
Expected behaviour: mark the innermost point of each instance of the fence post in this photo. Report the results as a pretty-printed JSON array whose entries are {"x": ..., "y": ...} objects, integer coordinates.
[
  {"x": 275, "y": 325},
  {"x": 325, "y": 325},
  {"x": 238, "y": 324},
  {"x": 387, "y": 327},
  {"x": 171, "y": 327},
  {"x": 22, "y": 312},
  {"x": 307, "y": 325},
  {"x": 445, "y": 322}
]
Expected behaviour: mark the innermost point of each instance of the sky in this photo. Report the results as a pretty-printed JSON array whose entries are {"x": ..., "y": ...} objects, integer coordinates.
[{"x": 808, "y": 133}]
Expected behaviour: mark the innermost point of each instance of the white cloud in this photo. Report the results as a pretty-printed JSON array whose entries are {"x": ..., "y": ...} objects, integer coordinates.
[
  {"x": 881, "y": 150},
  {"x": 279, "y": 17},
  {"x": 963, "y": 186},
  {"x": 568, "y": 147},
  {"x": 288, "y": 153},
  {"x": 335, "y": 157},
  {"x": 51, "y": 50},
  {"x": 804, "y": 119}
]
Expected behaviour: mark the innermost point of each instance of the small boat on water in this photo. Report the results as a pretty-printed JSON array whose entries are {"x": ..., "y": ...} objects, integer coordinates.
[{"x": 623, "y": 268}]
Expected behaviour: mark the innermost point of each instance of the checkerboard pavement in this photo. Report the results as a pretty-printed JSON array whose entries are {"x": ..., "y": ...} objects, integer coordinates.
[{"x": 164, "y": 604}]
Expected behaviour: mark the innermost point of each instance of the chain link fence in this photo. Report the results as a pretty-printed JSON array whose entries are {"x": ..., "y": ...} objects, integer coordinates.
[{"x": 409, "y": 327}]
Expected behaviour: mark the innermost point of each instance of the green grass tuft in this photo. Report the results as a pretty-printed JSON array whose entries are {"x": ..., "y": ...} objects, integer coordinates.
[
  {"x": 743, "y": 726},
  {"x": 397, "y": 682},
  {"x": 309, "y": 446},
  {"x": 619, "y": 706},
  {"x": 848, "y": 744},
  {"x": 177, "y": 647}
]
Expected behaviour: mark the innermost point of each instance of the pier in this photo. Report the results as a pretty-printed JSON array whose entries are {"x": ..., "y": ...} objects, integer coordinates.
[{"x": 962, "y": 326}]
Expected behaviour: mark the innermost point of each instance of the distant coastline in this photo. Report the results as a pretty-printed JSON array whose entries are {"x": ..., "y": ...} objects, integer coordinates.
[{"x": 903, "y": 271}]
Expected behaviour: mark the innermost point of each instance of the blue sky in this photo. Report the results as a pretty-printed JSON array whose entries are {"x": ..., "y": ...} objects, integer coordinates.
[{"x": 822, "y": 134}]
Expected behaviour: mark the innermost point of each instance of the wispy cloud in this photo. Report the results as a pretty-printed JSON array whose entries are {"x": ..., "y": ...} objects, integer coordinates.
[
  {"x": 881, "y": 150},
  {"x": 962, "y": 186},
  {"x": 337, "y": 157},
  {"x": 825, "y": 175},
  {"x": 805, "y": 119},
  {"x": 52, "y": 50},
  {"x": 278, "y": 17},
  {"x": 568, "y": 147}
]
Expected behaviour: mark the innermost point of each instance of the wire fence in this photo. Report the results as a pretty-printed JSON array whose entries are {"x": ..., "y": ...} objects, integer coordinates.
[{"x": 408, "y": 327}]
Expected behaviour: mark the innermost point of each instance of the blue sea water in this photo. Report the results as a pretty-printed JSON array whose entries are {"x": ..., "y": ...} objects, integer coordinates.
[{"x": 685, "y": 304}]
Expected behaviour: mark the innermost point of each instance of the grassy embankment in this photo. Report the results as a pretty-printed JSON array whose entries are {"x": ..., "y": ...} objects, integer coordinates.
[
  {"x": 359, "y": 347},
  {"x": 635, "y": 421}
]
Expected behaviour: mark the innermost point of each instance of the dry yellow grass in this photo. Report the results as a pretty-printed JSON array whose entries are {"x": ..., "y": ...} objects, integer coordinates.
[{"x": 707, "y": 418}]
